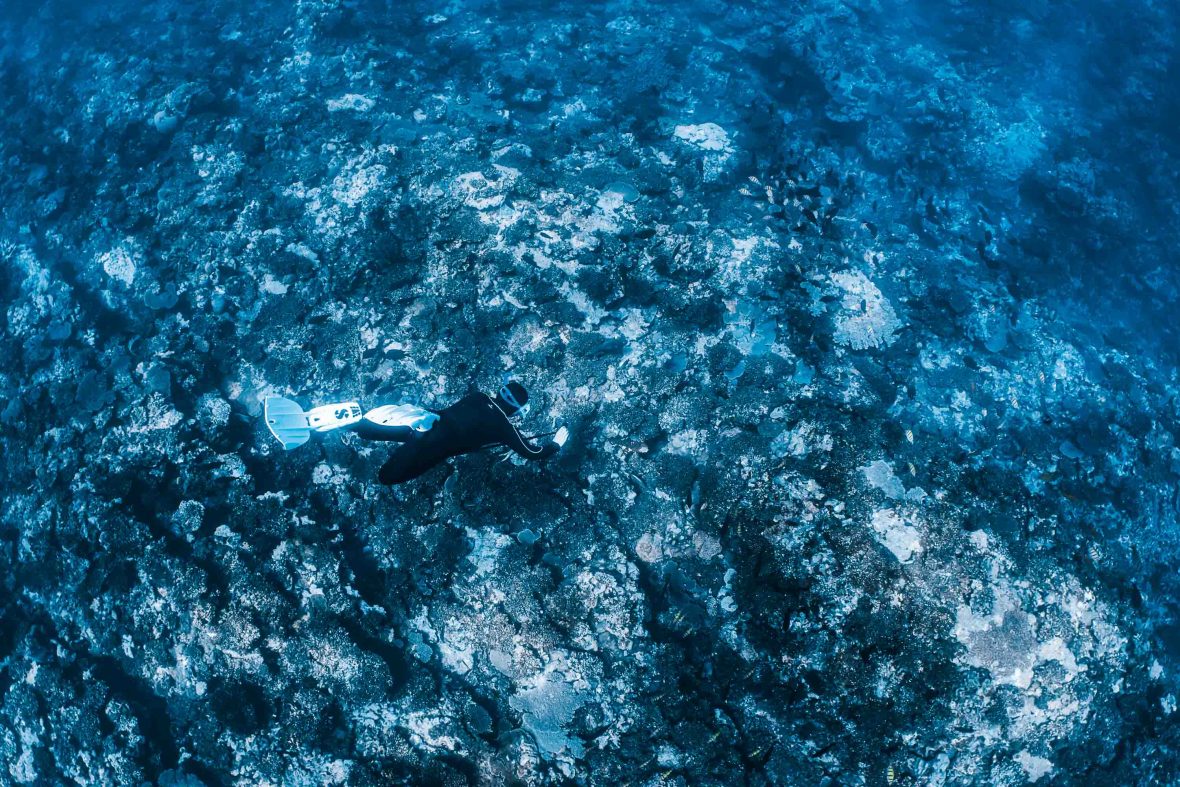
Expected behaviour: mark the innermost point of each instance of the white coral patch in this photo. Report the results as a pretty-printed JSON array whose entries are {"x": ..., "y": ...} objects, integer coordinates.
[
  {"x": 806, "y": 437},
  {"x": 273, "y": 286},
  {"x": 547, "y": 702},
  {"x": 1034, "y": 767},
  {"x": 119, "y": 264},
  {"x": 374, "y": 725},
  {"x": 351, "y": 101},
  {"x": 706, "y": 136},
  {"x": 1002, "y": 642},
  {"x": 713, "y": 143},
  {"x": 880, "y": 475},
  {"x": 429, "y": 730},
  {"x": 650, "y": 547},
  {"x": 154, "y": 415},
  {"x": 351, "y": 188},
  {"x": 686, "y": 443},
  {"x": 896, "y": 534},
  {"x": 482, "y": 193},
  {"x": 1056, "y": 650},
  {"x": 866, "y": 318},
  {"x": 324, "y": 474},
  {"x": 487, "y": 547}
]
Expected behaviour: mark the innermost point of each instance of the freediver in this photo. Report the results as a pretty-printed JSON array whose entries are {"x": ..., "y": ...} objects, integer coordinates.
[{"x": 427, "y": 437}]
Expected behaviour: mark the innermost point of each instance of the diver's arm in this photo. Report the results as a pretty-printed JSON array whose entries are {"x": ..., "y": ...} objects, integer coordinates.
[{"x": 514, "y": 441}]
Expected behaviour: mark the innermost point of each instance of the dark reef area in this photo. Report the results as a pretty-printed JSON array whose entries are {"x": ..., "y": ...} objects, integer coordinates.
[{"x": 864, "y": 316}]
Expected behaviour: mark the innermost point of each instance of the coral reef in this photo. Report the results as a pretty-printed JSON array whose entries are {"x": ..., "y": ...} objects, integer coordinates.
[{"x": 862, "y": 317}]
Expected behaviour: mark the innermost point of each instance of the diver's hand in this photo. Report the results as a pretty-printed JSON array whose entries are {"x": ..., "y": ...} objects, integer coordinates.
[{"x": 562, "y": 435}]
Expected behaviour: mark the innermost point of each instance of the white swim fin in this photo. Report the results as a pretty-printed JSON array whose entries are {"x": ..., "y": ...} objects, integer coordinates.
[
  {"x": 286, "y": 421},
  {"x": 292, "y": 427},
  {"x": 417, "y": 418},
  {"x": 327, "y": 417}
]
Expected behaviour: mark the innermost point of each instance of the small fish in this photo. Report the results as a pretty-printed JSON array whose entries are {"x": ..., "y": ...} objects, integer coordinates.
[
  {"x": 913, "y": 470},
  {"x": 716, "y": 735},
  {"x": 1095, "y": 553},
  {"x": 890, "y": 775},
  {"x": 909, "y": 435}
]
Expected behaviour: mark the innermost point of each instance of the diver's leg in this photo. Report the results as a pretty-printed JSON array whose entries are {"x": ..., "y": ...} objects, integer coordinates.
[
  {"x": 391, "y": 472},
  {"x": 405, "y": 464},
  {"x": 395, "y": 422},
  {"x": 371, "y": 430}
]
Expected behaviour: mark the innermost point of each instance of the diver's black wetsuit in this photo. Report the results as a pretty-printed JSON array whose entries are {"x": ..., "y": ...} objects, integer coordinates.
[{"x": 472, "y": 423}]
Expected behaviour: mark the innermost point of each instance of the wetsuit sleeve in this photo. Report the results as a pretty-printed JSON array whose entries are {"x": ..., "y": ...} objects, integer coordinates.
[{"x": 373, "y": 431}]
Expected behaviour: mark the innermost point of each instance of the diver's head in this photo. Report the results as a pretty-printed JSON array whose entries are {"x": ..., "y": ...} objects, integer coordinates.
[{"x": 513, "y": 399}]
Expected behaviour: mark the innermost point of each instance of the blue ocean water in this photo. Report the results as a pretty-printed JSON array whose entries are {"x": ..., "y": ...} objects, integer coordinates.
[{"x": 862, "y": 317}]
